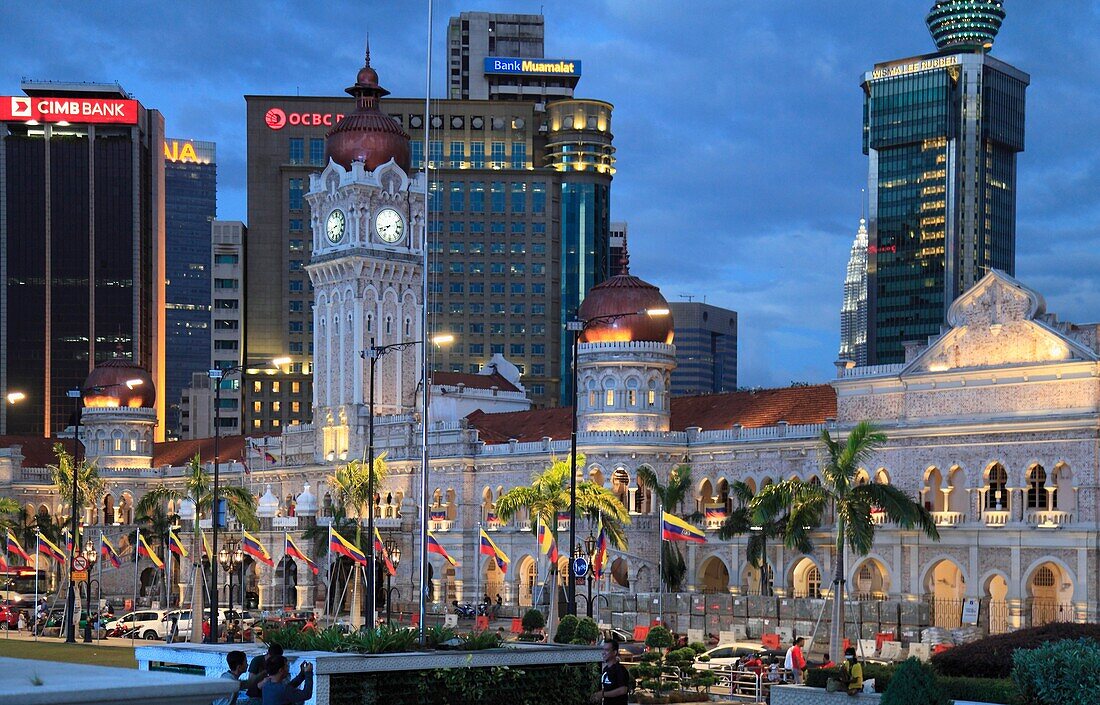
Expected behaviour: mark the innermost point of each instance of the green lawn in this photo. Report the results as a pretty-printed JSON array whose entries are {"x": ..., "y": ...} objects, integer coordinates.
[{"x": 53, "y": 650}]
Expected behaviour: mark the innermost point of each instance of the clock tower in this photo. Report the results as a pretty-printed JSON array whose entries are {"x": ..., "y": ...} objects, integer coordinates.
[{"x": 366, "y": 269}]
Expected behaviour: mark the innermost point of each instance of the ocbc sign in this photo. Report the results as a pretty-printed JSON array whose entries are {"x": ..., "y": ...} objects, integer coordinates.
[{"x": 277, "y": 119}]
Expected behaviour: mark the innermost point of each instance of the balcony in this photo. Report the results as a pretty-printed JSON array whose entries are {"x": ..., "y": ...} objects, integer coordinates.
[
  {"x": 1053, "y": 519},
  {"x": 948, "y": 518},
  {"x": 878, "y": 518},
  {"x": 284, "y": 523},
  {"x": 387, "y": 522},
  {"x": 996, "y": 517},
  {"x": 441, "y": 525}
]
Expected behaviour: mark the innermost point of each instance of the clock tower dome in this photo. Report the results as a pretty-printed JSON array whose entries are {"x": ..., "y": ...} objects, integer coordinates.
[{"x": 366, "y": 270}]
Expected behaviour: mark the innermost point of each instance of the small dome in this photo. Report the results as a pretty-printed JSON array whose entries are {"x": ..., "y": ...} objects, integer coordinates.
[
  {"x": 268, "y": 505},
  {"x": 119, "y": 382},
  {"x": 965, "y": 24},
  {"x": 625, "y": 294},
  {"x": 306, "y": 503},
  {"x": 365, "y": 134}
]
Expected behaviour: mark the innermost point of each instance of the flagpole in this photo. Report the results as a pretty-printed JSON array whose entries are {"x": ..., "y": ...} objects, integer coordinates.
[
  {"x": 477, "y": 572},
  {"x": 661, "y": 569},
  {"x": 35, "y": 628},
  {"x": 137, "y": 555},
  {"x": 331, "y": 565},
  {"x": 99, "y": 596},
  {"x": 425, "y": 347}
]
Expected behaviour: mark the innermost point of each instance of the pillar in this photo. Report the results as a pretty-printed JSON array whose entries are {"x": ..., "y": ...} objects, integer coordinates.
[{"x": 301, "y": 600}]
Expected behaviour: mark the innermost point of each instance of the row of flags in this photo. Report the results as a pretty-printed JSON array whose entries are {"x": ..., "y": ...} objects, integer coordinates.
[{"x": 339, "y": 544}]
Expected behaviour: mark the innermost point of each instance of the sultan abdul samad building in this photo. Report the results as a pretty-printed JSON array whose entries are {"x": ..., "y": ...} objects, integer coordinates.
[{"x": 993, "y": 424}]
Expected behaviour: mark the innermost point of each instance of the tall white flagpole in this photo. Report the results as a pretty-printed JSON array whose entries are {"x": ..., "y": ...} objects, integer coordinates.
[
  {"x": 35, "y": 628},
  {"x": 661, "y": 569}
]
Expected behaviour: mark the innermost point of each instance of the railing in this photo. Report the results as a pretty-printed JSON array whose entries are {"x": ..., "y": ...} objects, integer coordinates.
[
  {"x": 738, "y": 684},
  {"x": 948, "y": 518},
  {"x": 36, "y": 474},
  {"x": 284, "y": 522},
  {"x": 996, "y": 517},
  {"x": 443, "y": 525},
  {"x": 1044, "y": 612},
  {"x": 873, "y": 370},
  {"x": 388, "y": 522},
  {"x": 878, "y": 518},
  {"x": 1053, "y": 519}
]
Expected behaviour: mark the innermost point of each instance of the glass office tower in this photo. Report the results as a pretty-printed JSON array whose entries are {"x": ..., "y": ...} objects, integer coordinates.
[{"x": 942, "y": 132}]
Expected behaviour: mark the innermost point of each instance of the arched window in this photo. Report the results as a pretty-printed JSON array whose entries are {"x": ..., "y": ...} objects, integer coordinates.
[
  {"x": 609, "y": 392},
  {"x": 632, "y": 393},
  {"x": 651, "y": 394},
  {"x": 996, "y": 497},
  {"x": 813, "y": 582},
  {"x": 592, "y": 394},
  {"x": 389, "y": 325},
  {"x": 1044, "y": 577},
  {"x": 1036, "y": 488}
]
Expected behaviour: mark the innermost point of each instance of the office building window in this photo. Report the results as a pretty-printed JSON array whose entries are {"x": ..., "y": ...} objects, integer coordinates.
[
  {"x": 295, "y": 387},
  {"x": 538, "y": 389},
  {"x": 296, "y": 348},
  {"x": 225, "y": 284},
  {"x": 457, "y": 226},
  {"x": 538, "y": 309},
  {"x": 477, "y": 248},
  {"x": 435, "y": 287},
  {"x": 417, "y": 156},
  {"x": 539, "y": 369},
  {"x": 519, "y": 155},
  {"x": 226, "y": 259},
  {"x": 456, "y": 267},
  {"x": 477, "y": 308},
  {"x": 538, "y": 198},
  {"x": 295, "y": 285},
  {"x": 296, "y": 407},
  {"x": 538, "y": 329},
  {"x": 477, "y": 348},
  {"x": 295, "y": 195},
  {"x": 477, "y": 288},
  {"x": 295, "y": 306},
  {"x": 457, "y": 288},
  {"x": 276, "y": 407},
  {"x": 519, "y": 228},
  {"x": 296, "y": 265},
  {"x": 257, "y": 407},
  {"x": 496, "y": 288},
  {"x": 496, "y": 189},
  {"x": 435, "y": 198},
  {"x": 497, "y": 348},
  {"x": 477, "y": 199},
  {"x": 519, "y": 197},
  {"x": 477, "y": 267},
  {"x": 518, "y": 248},
  {"x": 538, "y": 228},
  {"x": 457, "y": 248},
  {"x": 496, "y": 248},
  {"x": 435, "y": 154},
  {"x": 496, "y": 308},
  {"x": 226, "y": 344},
  {"x": 519, "y": 288},
  {"x": 295, "y": 225},
  {"x": 257, "y": 387},
  {"x": 477, "y": 155},
  {"x": 538, "y": 268},
  {"x": 496, "y": 156},
  {"x": 458, "y": 154},
  {"x": 296, "y": 245},
  {"x": 538, "y": 349},
  {"x": 458, "y": 197},
  {"x": 226, "y": 303},
  {"x": 295, "y": 327},
  {"x": 297, "y": 150},
  {"x": 538, "y": 289},
  {"x": 477, "y": 327},
  {"x": 316, "y": 151},
  {"x": 517, "y": 348}
]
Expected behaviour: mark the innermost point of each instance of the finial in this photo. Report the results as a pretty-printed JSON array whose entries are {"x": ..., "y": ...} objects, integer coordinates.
[{"x": 367, "y": 57}]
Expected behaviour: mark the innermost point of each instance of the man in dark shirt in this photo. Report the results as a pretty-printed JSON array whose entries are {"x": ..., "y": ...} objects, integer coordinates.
[
  {"x": 257, "y": 670},
  {"x": 614, "y": 680},
  {"x": 277, "y": 690}
]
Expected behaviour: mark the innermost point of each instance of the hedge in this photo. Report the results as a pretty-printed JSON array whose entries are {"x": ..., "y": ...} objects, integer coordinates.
[
  {"x": 987, "y": 690},
  {"x": 1061, "y": 673},
  {"x": 992, "y": 657}
]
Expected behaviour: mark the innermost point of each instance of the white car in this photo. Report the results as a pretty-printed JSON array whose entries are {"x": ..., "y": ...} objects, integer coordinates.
[
  {"x": 728, "y": 655},
  {"x": 148, "y": 623},
  {"x": 183, "y": 617}
]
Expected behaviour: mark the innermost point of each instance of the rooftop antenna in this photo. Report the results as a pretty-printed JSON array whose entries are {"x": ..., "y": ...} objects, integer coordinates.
[
  {"x": 863, "y": 202},
  {"x": 687, "y": 297}
]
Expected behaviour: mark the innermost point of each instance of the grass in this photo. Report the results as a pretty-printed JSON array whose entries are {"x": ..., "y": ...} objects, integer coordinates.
[{"x": 51, "y": 650}]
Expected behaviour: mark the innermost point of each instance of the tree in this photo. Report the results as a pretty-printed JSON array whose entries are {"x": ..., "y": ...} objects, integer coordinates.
[
  {"x": 352, "y": 484},
  {"x": 671, "y": 497},
  {"x": 159, "y": 522},
  {"x": 742, "y": 521},
  {"x": 804, "y": 503},
  {"x": 340, "y": 567},
  {"x": 89, "y": 485},
  {"x": 9, "y": 513},
  {"x": 198, "y": 489}
]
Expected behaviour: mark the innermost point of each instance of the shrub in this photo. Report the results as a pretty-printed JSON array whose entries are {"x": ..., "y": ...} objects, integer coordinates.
[
  {"x": 1065, "y": 672},
  {"x": 992, "y": 657},
  {"x": 567, "y": 628},
  {"x": 436, "y": 634},
  {"x": 913, "y": 684},
  {"x": 533, "y": 620},
  {"x": 659, "y": 638},
  {"x": 882, "y": 673},
  {"x": 477, "y": 641},
  {"x": 983, "y": 690},
  {"x": 698, "y": 647},
  {"x": 587, "y": 632}
]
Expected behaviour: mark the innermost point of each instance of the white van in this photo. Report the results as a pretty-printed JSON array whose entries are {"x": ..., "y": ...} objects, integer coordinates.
[{"x": 148, "y": 623}]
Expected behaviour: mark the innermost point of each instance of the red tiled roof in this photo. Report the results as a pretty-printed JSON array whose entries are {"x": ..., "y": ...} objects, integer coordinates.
[
  {"x": 764, "y": 407},
  {"x": 178, "y": 453},
  {"x": 473, "y": 380},
  {"x": 37, "y": 450}
]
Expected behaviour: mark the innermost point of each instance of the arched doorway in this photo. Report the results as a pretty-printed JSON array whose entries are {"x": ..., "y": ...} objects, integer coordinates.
[
  {"x": 492, "y": 581},
  {"x": 714, "y": 576},
  {"x": 870, "y": 581},
  {"x": 944, "y": 588},
  {"x": 528, "y": 578},
  {"x": 806, "y": 579},
  {"x": 757, "y": 580},
  {"x": 286, "y": 580},
  {"x": 996, "y": 596},
  {"x": 1051, "y": 593}
]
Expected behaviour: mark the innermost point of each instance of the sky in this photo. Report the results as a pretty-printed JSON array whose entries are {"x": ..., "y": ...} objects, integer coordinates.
[{"x": 736, "y": 124}]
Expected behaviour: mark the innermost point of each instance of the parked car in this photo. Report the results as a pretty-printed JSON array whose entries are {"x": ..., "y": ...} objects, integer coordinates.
[
  {"x": 183, "y": 619},
  {"x": 149, "y": 624},
  {"x": 728, "y": 655},
  {"x": 9, "y": 616}
]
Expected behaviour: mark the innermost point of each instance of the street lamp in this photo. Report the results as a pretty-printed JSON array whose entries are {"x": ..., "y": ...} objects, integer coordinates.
[
  {"x": 218, "y": 374},
  {"x": 77, "y": 395},
  {"x": 590, "y": 549},
  {"x": 394, "y": 552},
  {"x": 90, "y": 555},
  {"x": 373, "y": 353},
  {"x": 230, "y": 556},
  {"x": 764, "y": 563},
  {"x": 15, "y": 397},
  {"x": 577, "y": 327}
]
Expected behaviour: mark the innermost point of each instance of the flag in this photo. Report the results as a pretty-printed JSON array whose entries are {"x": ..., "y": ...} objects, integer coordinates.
[
  {"x": 716, "y": 511},
  {"x": 380, "y": 549},
  {"x": 48, "y": 549},
  {"x": 489, "y": 548},
  {"x": 673, "y": 528},
  {"x": 435, "y": 547},
  {"x": 341, "y": 545},
  {"x": 547, "y": 545},
  {"x": 68, "y": 541},
  {"x": 109, "y": 553},
  {"x": 14, "y": 547},
  {"x": 205, "y": 543},
  {"x": 252, "y": 546},
  {"x": 3, "y": 562},
  {"x": 143, "y": 549},
  {"x": 291, "y": 549},
  {"x": 175, "y": 545},
  {"x": 600, "y": 559},
  {"x": 439, "y": 515}
]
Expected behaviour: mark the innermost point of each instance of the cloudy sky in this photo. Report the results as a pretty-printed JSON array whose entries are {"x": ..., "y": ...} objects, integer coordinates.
[{"x": 737, "y": 124}]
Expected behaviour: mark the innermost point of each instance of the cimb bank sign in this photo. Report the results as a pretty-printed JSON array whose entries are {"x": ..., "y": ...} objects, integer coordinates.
[
  {"x": 73, "y": 110},
  {"x": 533, "y": 67}
]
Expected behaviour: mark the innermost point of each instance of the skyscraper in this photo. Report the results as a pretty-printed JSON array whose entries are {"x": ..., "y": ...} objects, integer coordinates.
[
  {"x": 853, "y": 313},
  {"x": 942, "y": 132},
  {"x": 190, "y": 204},
  {"x": 620, "y": 255},
  {"x": 706, "y": 348},
  {"x": 82, "y": 264}
]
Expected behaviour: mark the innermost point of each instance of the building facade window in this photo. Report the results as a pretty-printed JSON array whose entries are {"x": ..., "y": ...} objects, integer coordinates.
[{"x": 297, "y": 151}]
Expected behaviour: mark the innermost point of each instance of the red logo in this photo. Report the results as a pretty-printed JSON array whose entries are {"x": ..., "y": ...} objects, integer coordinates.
[{"x": 275, "y": 118}]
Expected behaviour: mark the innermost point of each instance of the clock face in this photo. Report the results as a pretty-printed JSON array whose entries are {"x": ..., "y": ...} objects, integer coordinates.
[
  {"x": 334, "y": 226},
  {"x": 389, "y": 224}
]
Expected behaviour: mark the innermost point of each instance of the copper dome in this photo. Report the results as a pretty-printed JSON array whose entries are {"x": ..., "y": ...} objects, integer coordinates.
[
  {"x": 365, "y": 134},
  {"x": 627, "y": 294},
  {"x": 112, "y": 383}
]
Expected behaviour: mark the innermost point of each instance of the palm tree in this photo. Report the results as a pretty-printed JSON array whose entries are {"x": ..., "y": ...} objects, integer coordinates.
[
  {"x": 742, "y": 521},
  {"x": 160, "y": 522},
  {"x": 9, "y": 509},
  {"x": 804, "y": 503},
  {"x": 671, "y": 496},
  {"x": 352, "y": 483},
  {"x": 340, "y": 567},
  {"x": 198, "y": 490},
  {"x": 89, "y": 485}
]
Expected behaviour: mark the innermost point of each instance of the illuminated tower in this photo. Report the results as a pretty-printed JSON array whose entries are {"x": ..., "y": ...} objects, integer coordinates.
[{"x": 853, "y": 313}]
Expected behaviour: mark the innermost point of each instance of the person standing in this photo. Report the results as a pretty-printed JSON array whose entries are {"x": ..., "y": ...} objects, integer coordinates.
[
  {"x": 795, "y": 662},
  {"x": 22, "y": 624},
  {"x": 237, "y": 662},
  {"x": 278, "y": 691},
  {"x": 614, "y": 679}
]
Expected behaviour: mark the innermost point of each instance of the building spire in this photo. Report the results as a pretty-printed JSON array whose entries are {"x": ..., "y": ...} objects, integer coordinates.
[{"x": 366, "y": 58}]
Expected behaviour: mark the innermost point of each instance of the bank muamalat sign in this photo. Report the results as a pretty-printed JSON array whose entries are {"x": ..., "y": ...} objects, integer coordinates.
[
  {"x": 75, "y": 110},
  {"x": 540, "y": 67},
  {"x": 277, "y": 118}
]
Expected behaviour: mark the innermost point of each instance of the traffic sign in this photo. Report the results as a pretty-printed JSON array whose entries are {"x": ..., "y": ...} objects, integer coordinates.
[
  {"x": 580, "y": 566},
  {"x": 80, "y": 563},
  {"x": 80, "y": 576}
]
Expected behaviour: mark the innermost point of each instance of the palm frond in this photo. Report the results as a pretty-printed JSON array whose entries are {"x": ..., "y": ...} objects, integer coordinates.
[{"x": 898, "y": 507}]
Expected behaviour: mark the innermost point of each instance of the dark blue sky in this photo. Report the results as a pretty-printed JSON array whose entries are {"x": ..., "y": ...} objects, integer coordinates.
[{"x": 737, "y": 125}]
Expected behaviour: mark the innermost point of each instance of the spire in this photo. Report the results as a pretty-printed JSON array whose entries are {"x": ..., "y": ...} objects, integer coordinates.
[{"x": 366, "y": 58}]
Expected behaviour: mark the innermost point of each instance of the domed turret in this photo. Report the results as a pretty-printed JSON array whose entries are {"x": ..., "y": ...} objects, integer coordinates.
[
  {"x": 965, "y": 24},
  {"x": 365, "y": 134},
  {"x": 306, "y": 503},
  {"x": 626, "y": 294},
  {"x": 268, "y": 505},
  {"x": 119, "y": 383}
]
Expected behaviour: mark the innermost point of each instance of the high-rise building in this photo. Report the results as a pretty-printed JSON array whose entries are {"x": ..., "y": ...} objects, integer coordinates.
[
  {"x": 706, "y": 348},
  {"x": 617, "y": 247},
  {"x": 497, "y": 56},
  {"x": 82, "y": 263},
  {"x": 226, "y": 322},
  {"x": 190, "y": 204},
  {"x": 853, "y": 312},
  {"x": 519, "y": 230},
  {"x": 942, "y": 132}
]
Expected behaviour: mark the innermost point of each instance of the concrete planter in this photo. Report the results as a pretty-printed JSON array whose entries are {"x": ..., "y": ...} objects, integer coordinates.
[{"x": 328, "y": 665}]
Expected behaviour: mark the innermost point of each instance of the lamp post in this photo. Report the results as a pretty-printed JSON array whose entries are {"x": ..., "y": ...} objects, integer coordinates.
[
  {"x": 590, "y": 550},
  {"x": 90, "y": 555},
  {"x": 230, "y": 556},
  {"x": 373, "y": 353},
  {"x": 576, "y": 327},
  {"x": 218, "y": 374},
  {"x": 70, "y": 599},
  {"x": 764, "y": 562},
  {"x": 395, "y": 557}
]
